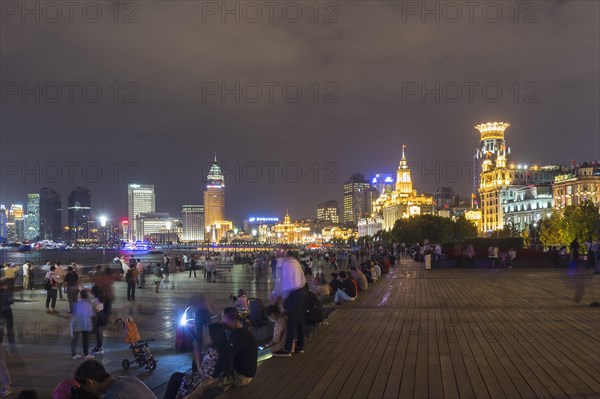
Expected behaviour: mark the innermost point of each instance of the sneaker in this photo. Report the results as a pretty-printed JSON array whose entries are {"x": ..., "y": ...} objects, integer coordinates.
[
  {"x": 75, "y": 357},
  {"x": 88, "y": 357},
  {"x": 282, "y": 353},
  {"x": 97, "y": 351},
  {"x": 5, "y": 392},
  {"x": 299, "y": 350}
]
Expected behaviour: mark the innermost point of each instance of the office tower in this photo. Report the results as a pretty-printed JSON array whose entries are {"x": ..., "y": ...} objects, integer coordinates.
[
  {"x": 50, "y": 215},
  {"x": 141, "y": 199},
  {"x": 192, "y": 217}
]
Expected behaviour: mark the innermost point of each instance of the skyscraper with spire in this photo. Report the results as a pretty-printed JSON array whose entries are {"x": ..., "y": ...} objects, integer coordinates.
[{"x": 214, "y": 196}]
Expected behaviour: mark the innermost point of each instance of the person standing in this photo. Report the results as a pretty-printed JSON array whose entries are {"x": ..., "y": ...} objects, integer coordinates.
[
  {"x": 178, "y": 264},
  {"x": 158, "y": 277},
  {"x": 25, "y": 276},
  {"x": 186, "y": 263},
  {"x": 291, "y": 289},
  {"x": 81, "y": 323},
  {"x": 166, "y": 262},
  {"x": 191, "y": 265},
  {"x": 102, "y": 306},
  {"x": 140, "y": 276},
  {"x": 72, "y": 281},
  {"x": 60, "y": 274},
  {"x": 51, "y": 287},
  {"x": 31, "y": 275},
  {"x": 6, "y": 316},
  {"x": 130, "y": 279}
]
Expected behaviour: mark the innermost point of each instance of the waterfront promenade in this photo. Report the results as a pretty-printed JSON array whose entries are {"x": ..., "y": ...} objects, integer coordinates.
[{"x": 448, "y": 333}]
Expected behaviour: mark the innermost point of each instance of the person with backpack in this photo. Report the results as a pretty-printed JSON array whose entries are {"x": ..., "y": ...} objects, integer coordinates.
[
  {"x": 72, "y": 281},
  {"x": 158, "y": 277},
  {"x": 51, "y": 287},
  {"x": 130, "y": 279}
]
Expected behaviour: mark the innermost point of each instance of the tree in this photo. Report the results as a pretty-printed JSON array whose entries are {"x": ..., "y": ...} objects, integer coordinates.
[
  {"x": 433, "y": 228},
  {"x": 575, "y": 221}
]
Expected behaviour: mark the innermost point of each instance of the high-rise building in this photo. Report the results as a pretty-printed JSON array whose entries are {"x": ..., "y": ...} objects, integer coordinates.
[
  {"x": 3, "y": 221},
  {"x": 16, "y": 215},
  {"x": 141, "y": 199},
  {"x": 354, "y": 203},
  {"x": 192, "y": 217},
  {"x": 50, "y": 214},
  {"x": 214, "y": 196},
  {"x": 32, "y": 217},
  {"x": 328, "y": 212},
  {"x": 383, "y": 183},
  {"x": 79, "y": 214},
  {"x": 150, "y": 223}
]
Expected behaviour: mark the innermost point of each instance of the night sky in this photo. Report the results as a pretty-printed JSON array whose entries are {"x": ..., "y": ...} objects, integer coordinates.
[{"x": 361, "y": 67}]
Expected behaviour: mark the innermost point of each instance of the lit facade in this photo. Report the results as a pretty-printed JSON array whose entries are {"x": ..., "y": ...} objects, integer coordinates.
[
  {"x": 214, "y": 197},
  {"x": 218, "y": 230},
  {"x": 16, "y": 216},
  {"x": 581, "y": 184},
  {"x": 404, "y": 201},
  {"x": 530, "y": 205},
  {"x": 32, "y": 217},
  {"x": 339, "y": 233},
  {"x": 3, "y": 221},
  {"x": 328, "y": 212},
  {"x": 79, "y": 212},
  {"x": 148, "y": 224},
  {"x": 356, "y": 204},
  {"x": 192, "y": 217},
  {"x": 370, "y": 226},
  {"x": 141, "y": 199},
  {"x": 291, "y": 233}
]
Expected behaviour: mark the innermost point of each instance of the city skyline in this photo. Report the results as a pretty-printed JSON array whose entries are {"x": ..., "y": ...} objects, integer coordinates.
[{"x": 406, "y": 87}]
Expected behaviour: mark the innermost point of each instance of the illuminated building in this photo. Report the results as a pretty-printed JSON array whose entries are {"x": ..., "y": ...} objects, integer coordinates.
[
  {"x": 32, "y": 217},
  {"x": 504, "y": 186},
  {"x": 214, "y": 196},
  {"x": 50, "y": 214},
  {"x": 79, "y": 214},
  {"x": 581, "y": 184},
  {"x": 404, "y": 201},
  {"x": 356, "y": 204},
  {"x": 150, "y": 223},
  {"x": 339, "y": 233},
  {"x": 3, "y": 221},
  {"x": 328, "y": 212},
  {"x": 262, "y": 226},
  {"x": 291, "y": 233},
  {"x": 530, "y": 205},
  {"x": 193, "y": 223},
  {"x": 217, "y": 230},
  {"x": 370, "y": 226},
  {"x": 16, "y": 215},
  {"x": 141, "y": 199}
]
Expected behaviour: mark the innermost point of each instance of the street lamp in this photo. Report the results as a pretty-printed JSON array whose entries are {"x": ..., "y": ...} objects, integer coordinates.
[
  {"x": 535, "y": 225},
  {"x": 103, "y": 219}
]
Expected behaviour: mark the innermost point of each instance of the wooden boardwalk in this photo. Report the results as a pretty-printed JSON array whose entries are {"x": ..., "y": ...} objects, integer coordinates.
[{"x": 449, "y": 334}]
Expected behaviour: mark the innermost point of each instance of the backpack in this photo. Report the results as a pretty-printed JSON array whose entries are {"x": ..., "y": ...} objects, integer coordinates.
[{"x": 315, "y": 312}]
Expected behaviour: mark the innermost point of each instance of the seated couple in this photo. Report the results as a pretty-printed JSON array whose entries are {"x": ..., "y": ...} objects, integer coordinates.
[{"x": 229, "y": 360}]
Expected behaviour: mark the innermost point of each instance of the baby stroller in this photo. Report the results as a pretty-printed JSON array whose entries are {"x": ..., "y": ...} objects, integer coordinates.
[{"x": 139, "y": 347}]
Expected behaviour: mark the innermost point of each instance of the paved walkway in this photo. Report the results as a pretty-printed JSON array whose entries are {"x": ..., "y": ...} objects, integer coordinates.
[{"x": 449, "y": 333}]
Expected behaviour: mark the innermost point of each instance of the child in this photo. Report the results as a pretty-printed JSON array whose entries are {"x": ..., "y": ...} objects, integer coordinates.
[
  {"x": 81, "y": 323},
  {"x": 279, "y": 333}
]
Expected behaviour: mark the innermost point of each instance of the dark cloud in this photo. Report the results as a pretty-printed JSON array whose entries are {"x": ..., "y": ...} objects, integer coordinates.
[{"x": 368, "y": 58}]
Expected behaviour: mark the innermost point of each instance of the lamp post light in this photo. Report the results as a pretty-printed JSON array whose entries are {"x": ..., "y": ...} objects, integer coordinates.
[{"x": 103, "y": 219}]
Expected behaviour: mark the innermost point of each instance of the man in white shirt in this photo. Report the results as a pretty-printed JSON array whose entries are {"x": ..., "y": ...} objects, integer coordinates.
[
  {"x": 291, "y": 289},
  {"x": 140, "y": 269},
  {"x": 25, "y": 276}
]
